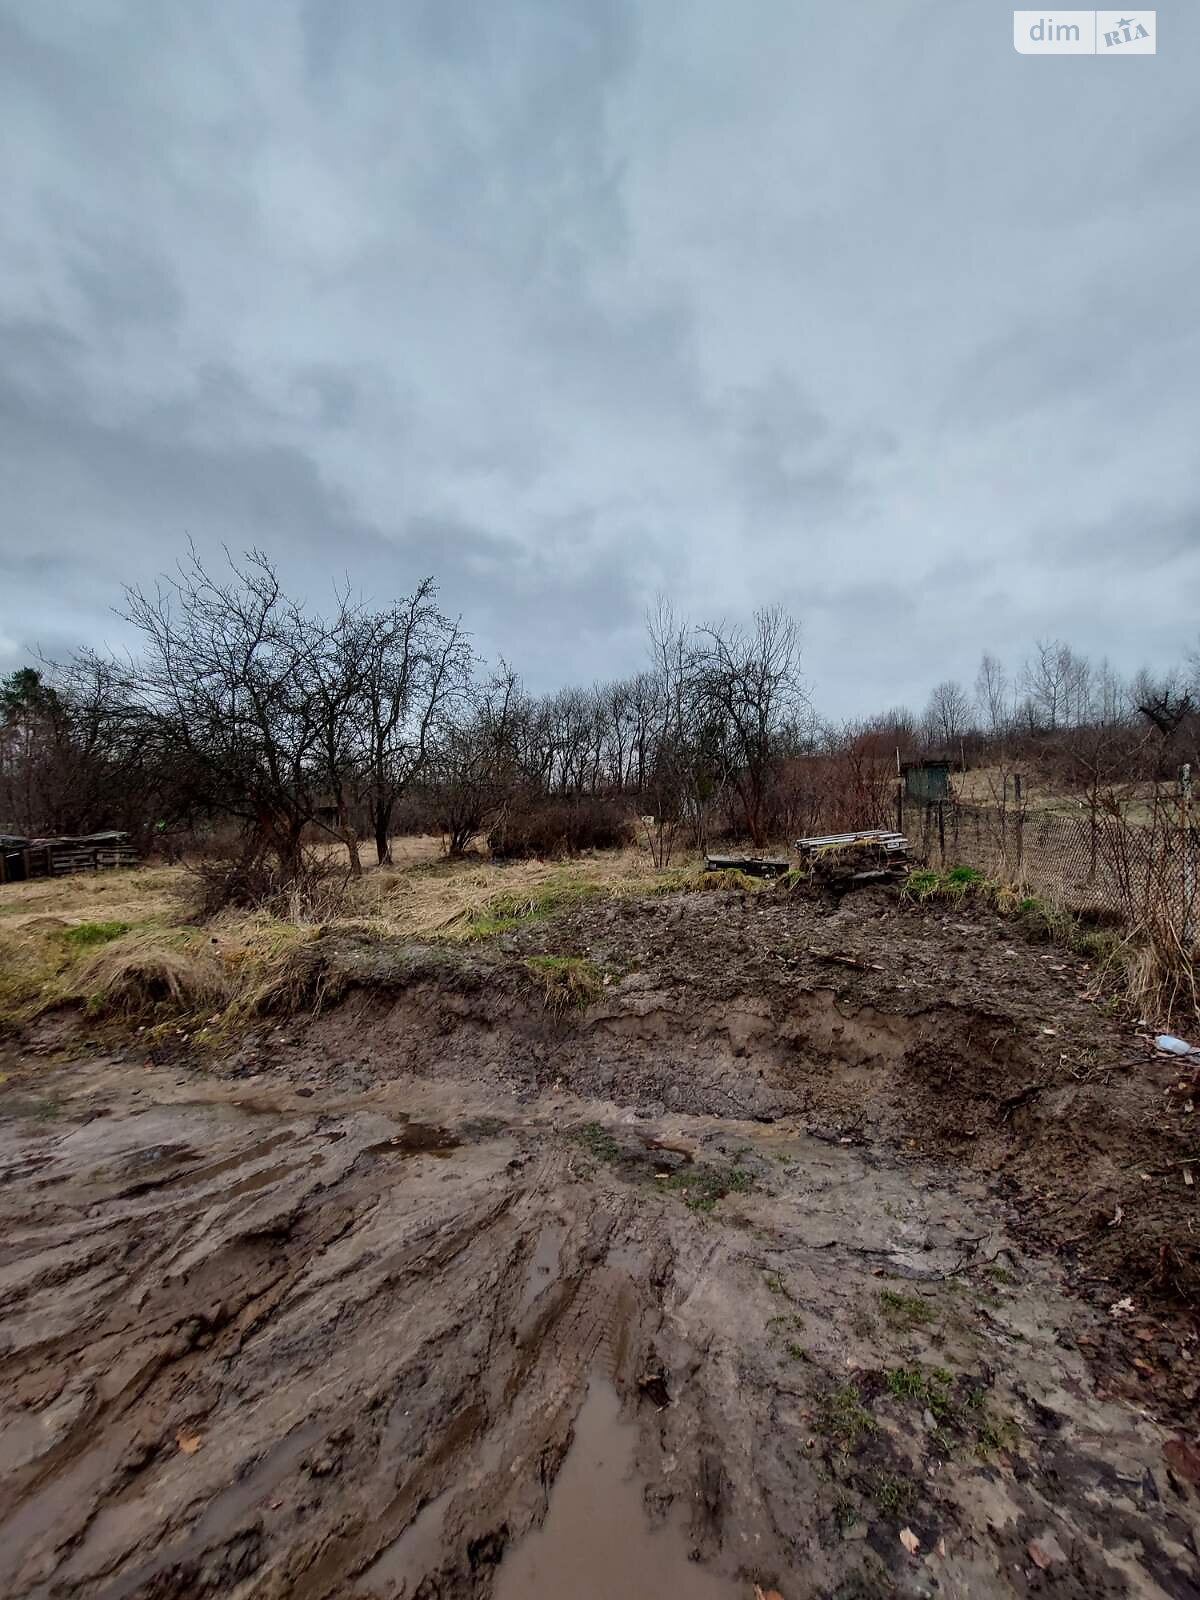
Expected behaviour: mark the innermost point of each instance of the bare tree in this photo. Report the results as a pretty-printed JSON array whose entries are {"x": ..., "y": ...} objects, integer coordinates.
[
  {"x": 413, "y": 665},
  {"x": 223, "y": 687},
  {"x": 751, "y": 679},
  {"x": 992, "y": 694},
  {"x": 1165, "y": 700},
  {"x": 948, "y": 714},
  {"x": 473, "y": 766},
  {"x": 1052, "y": 679}
]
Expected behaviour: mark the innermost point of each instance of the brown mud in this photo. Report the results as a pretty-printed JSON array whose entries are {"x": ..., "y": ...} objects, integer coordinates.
[{"x": 838, "y": 1251}]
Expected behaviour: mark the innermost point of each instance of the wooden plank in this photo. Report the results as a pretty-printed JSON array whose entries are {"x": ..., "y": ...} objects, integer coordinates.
[
  {"x": 755, "y": 866},
  {"x": 887, "y": 839}
]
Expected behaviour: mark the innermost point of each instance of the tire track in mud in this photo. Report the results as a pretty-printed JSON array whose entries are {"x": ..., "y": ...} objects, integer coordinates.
[
  {"x": 271, "y": 1272},
  {"x": 368, "y": 1370}
]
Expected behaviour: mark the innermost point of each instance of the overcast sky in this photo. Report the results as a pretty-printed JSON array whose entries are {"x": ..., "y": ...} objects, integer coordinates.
[{"x": 848, "y": 306}]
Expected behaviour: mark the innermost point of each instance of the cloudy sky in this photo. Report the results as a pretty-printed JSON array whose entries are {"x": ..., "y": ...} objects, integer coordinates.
[{"x": 568, "y": 302}]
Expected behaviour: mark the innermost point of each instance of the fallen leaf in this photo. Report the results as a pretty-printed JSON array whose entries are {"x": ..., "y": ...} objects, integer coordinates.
[
  {"x": 940, "y": 1548},
  {"x": 1037, "y": 1555},
  {"x": 1117, "y": 1215},
  {"x": 766, "y": 1594},
  {"x": 1146, "y": 1335},
  {"x": 1120, "y": 1307},
  {"x": 189, "y": 1443},
  {"x": 1187, "y": 1177},
  {"x": 910, "y": 1541},
  {"x": 1183, "y": 1457}
]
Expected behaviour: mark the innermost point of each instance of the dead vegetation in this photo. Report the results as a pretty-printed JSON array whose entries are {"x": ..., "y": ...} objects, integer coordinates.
[
  {"x": 161, "y": 962},
  {"x": 131, "y": 945},
  {"x": 147, "y": 975}
]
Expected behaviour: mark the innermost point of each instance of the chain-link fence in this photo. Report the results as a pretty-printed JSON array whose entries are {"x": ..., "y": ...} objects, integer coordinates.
[{"x": 1098, "y": 860}]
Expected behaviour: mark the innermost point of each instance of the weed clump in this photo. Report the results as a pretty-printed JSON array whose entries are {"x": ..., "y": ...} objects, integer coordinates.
[
  {"x": 894, "y": 1495},
  {"x": 958, "y": 1408},
  {"x": 905, "y": 1310},
  {"x": 295, "y": 979},
  {"x": 566, "y": 981},
  {"x": 597, "y": 1141},
  {"x": 700, "y": 1187},
  {"x": 844, "y": 1418}
]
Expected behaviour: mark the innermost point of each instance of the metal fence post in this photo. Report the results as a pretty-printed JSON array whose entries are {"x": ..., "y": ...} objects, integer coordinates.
[
  {"x": 1020, "y": 822},
  {"x": 1189, "y": 856}
]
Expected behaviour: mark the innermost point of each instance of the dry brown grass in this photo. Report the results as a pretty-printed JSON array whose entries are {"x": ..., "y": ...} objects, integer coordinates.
[
  {"x": 147, "y": 976},
  {"x": 137, "y": 895},
  {"x": 247, "y": 964}
]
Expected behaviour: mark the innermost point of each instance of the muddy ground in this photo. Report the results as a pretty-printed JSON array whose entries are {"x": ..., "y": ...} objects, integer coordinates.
[{"x": 838, "y": 1250}]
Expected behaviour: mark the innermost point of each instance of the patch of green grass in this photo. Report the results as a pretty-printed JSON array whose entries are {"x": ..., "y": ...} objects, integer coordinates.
[
  {"x": 43, "y": 1110},
  {"x": 959, "y": 1409},
  {"x": 893, "y": 1494},
  {"x": 597, "y": 1141},
  {"x": 792, "y": 879},
  {"x": 930, "y": 1389},
  {"x": 699, "y": 880},
  {"x": 845, "y": 1513},
  {"x": 843, "y": 1417},
  {"x": 994, "y": 1433},
  {"x": 84, "y": 935},
  {"x": 774, "y": 1283},
  {"x": 906, "y": 1383},
  {"x": 905, "y": 1310},
  {"x": 504, "y": 912},
  {"x": 948, "y": 883},
  {"x": 566, "y": 981},
  {"x": 701, "y": 1186},
  {"x": 998, "y": 1274}
]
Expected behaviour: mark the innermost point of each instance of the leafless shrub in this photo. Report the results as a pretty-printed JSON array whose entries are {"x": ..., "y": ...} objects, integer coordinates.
[
  {"x": 550, "y": 828},
  {"x": 314, "y": 890}
]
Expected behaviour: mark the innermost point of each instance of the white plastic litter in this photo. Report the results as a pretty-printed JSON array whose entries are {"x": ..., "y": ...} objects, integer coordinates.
[{"x": 1173, "y": 1046}]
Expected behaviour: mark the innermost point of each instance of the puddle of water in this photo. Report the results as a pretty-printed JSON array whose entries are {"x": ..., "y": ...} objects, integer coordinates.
[
  {"x": 416, "y": 1552},
  {"x": 543, "y": 1264},
  {"x": 194, "y": 1177},
  {"x": 596, "y": 1542},
  {"x": 259, "y": 1180},
  {"x": 417, "y": 1139}
]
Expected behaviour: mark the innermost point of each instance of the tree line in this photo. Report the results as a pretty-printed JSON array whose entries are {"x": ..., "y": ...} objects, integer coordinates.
[{"x": 244, "y": 719}]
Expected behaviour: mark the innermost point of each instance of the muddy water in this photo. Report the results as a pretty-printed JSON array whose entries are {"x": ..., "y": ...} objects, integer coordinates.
[{"x": 597, "y": 1542}]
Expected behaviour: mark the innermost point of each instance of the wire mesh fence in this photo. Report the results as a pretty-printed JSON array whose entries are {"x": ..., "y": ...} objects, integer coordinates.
[{"x": 1097, "y": 861}]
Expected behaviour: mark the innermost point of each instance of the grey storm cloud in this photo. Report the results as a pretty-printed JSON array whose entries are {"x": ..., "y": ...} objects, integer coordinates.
[{"x": 569, "y": 302}]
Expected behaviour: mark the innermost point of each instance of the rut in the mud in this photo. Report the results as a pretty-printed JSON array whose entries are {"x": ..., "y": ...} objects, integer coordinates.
[
  {"x": 284, "y": 1352},
  {"x": 442, "y": 1317}
]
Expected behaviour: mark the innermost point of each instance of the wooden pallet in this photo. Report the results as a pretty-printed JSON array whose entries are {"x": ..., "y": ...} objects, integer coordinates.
[{"x": 893, "y": 843}]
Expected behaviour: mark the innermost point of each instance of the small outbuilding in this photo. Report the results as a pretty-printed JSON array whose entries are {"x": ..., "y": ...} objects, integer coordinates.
[{"x": 926, "y": 780}]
